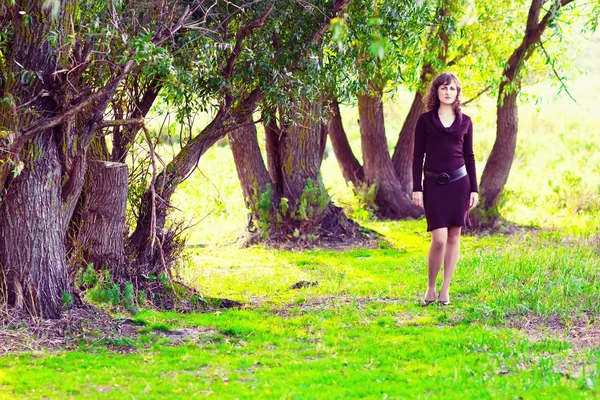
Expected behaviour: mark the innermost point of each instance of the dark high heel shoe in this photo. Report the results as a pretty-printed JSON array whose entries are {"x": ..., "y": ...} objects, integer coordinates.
[
  {"x": 443, "y": 302},
  {"x": 426, "y": 302}
]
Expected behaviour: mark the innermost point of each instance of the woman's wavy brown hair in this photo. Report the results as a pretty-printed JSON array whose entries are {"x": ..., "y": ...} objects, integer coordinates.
[{"x": 433, "y": 101}]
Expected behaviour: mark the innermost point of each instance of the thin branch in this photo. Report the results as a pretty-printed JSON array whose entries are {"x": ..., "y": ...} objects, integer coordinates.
[
  {"x": 239, "y": 40},
  {"x": 121, "y": 122},
  {"x": 478, "y": 95},
  {"x": 562, "y": 83},
  {"x": 152, "y": 192}
]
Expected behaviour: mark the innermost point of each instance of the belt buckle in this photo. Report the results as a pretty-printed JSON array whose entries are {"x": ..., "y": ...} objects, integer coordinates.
[{"x": 443, "y": 178}]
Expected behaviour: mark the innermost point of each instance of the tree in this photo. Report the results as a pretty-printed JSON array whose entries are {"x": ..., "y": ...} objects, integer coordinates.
[
  {"x": 381, "y": 35},
  {"x": 63, "y": 70},
  {"x": 462, "y": 38},
  {"x": 497, "y": 168},
  {"x": 288, "y": 198},
  {"x": 45, "y": 134}
]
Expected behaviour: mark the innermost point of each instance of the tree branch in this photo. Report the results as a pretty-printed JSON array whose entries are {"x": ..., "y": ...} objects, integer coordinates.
[
  {"x": 478, "y": 95},
  {"x": 29, "y": 131},
  {"x": 562, "y": 83},
  {"x": 121, "y": 122},
  {"x": 227, "y": 71},
  {"x": 338, "y": 7}
]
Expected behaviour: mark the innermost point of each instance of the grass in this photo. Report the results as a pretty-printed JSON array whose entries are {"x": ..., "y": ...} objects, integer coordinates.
[{"x": 359, "y": 333}]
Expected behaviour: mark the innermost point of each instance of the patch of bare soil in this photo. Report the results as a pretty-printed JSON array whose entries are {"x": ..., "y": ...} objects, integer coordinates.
[
  {"x": 322, "y": 303},
  {"x": 20, "y": 332},
  {"x": 368, "y": 239},
  {"x": 581, "y": 332},
  {"x": 195, "y": 334}
]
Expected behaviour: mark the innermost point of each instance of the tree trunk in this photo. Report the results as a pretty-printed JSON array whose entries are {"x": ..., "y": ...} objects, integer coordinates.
[
  {"x": 390, "y": 199},
  {"x": 32, "y": 252},
  {"x": 351, "y": 168},
  {"x": 403, "y": 152},
  {"x": 32, "y": 214},
  {"x": 300, "y": 152},
  {"x": 272, "y": 137},
  {"x": 254, "y": 177},
  {"x": 497, "y": 168},
  {"x": 103, "y": 217},
  {"x": 310, "y": 210}
]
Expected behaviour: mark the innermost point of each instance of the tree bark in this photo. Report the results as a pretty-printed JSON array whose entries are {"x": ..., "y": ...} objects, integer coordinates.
[
  {"x": 310, "y": 210},
  {"x": 390, "y": 199},
  {"x": 497, "y": 168},
  {"x": 103, "y": 217},
  {"x": 253, "y": 175},
  {"x": 32, "y": 227},
  {"x": 272, "y": 136},
  {"x": 403, "y": 152},
  {"x": 32, "y": 252},
  {"x": 351, "y": 168}
]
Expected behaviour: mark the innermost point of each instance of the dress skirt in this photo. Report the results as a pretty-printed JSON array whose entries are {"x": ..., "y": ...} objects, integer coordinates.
[{"x": 446, "y": 205}]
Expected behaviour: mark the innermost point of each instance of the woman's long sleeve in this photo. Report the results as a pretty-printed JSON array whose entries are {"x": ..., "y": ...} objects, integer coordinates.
[
  {"x": 418, "y": 155},
  {"x": 470, "y": 158}
]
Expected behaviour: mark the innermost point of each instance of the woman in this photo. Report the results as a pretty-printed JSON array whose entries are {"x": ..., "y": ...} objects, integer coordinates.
[{"x": 444, "y": 135}]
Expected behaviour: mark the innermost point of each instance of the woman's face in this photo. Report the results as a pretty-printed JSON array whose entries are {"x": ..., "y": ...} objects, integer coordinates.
[{"x": 447, "y": 93}]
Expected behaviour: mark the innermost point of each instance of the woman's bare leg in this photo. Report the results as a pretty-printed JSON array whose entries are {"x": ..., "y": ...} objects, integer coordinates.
[
  {"x": 450, "y": 260},
  {"x": 436, "y": 256}
]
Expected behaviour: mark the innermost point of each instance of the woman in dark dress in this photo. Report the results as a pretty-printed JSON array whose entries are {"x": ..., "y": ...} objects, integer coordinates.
[{"x": 444, "y": 137}]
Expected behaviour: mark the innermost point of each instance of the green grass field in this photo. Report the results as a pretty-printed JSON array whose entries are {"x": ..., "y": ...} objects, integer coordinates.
[
  {"x": 522, "y": 307},
  {"x": 522, "y": 324}
]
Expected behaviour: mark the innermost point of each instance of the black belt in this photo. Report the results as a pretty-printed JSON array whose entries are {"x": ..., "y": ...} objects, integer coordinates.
[{"x": 445, "y": 178}]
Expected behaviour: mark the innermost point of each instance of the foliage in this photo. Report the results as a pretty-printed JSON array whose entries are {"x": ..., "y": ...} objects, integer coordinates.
[
  {"x": 363, "y": 207},
  {"x": 312, "y": 201},
  {"x": 67, "y": 300},
  {"x": 376, "y": 41},
  {"x": 100, "y": 288}
]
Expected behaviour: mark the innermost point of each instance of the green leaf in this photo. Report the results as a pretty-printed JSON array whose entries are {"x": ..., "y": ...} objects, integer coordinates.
[{"x": 377, "y": 48}]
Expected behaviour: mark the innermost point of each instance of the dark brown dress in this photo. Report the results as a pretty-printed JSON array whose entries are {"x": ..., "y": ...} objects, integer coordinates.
[{"x": 444, "y": 150}]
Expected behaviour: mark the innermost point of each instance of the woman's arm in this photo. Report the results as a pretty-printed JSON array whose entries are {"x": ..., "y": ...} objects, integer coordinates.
[
  {"x": 469, "y": 156},
  {"x": 418, "y": 155}
]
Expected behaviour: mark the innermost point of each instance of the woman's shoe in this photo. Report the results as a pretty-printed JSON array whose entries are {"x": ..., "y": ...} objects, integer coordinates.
[
  {"x": 429, "y": 302},
  {"x": 443, "y": 302}
]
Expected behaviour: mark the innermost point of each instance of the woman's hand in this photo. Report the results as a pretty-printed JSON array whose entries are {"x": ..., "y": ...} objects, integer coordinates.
[
  {"x": 417, "y": 198},
  {"x": 473, "y": 200}
]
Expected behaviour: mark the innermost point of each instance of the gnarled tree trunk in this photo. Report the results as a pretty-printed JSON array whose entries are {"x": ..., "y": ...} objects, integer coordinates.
[
  {"x": 32, "y": 252},
  {"x": 390, "y": 199},
  {"x": 103, "y": 217},
  {"x": 310, "y": 209},
  {"x": 403, "y": 152},
  {"x": 32, "y": 227},
  {"x": 351, "y": 168},
  {"x": 272, "y": 142},
  {"x": 253, "y": 175}
]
